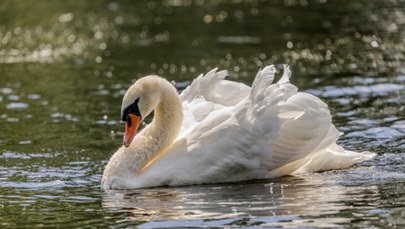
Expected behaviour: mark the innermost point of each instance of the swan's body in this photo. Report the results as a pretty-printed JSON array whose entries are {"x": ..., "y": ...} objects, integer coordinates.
[{"x": 223, "y": 131}]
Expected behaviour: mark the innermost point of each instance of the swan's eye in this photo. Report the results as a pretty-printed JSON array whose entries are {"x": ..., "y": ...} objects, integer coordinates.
[{"x": 131, "y": 109}]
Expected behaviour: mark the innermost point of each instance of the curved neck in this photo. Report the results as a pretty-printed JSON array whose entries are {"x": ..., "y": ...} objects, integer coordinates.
[{"x": 157, "y": 137}]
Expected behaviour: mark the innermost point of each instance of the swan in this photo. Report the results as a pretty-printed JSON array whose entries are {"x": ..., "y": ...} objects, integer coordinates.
[{"x": 218, "y": 130}]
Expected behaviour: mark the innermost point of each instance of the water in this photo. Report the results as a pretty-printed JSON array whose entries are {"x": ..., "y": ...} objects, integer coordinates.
[{"x": 64, "y": 67}]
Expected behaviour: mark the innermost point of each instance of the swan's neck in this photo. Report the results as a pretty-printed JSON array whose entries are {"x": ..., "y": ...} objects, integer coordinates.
[{"x": 161, "y": 132}]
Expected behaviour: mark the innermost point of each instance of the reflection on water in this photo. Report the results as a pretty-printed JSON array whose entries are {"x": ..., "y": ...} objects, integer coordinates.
[
  {"x": 290, "y": 197},
  {"x": 64, "y": 67},
  {"x": 309, "y": 201}
]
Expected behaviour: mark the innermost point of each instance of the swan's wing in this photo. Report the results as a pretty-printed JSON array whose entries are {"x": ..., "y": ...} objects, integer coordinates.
[
  {"x": 302, "y": 134},
  {"x": 275, "y": 130}
]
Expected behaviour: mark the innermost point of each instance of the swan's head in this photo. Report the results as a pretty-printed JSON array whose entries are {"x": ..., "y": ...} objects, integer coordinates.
[{"x": 138, "y": 102}]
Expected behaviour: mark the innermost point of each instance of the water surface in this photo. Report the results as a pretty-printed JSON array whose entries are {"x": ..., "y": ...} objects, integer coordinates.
[{"x": 64, "y": 67}]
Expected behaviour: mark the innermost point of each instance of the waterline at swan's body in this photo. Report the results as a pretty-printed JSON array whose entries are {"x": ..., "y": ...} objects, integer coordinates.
[{"x": 221, "y": 131}]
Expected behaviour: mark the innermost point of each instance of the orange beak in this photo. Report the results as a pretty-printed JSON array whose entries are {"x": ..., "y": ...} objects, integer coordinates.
[{"x": 131, "y": 126}]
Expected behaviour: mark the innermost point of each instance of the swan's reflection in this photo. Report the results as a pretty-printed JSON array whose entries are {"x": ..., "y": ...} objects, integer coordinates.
[{"x": 309, "y": 196}]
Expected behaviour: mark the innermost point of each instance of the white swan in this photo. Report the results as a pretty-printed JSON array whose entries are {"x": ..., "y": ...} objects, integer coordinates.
[{"x": 222, "y": 131}]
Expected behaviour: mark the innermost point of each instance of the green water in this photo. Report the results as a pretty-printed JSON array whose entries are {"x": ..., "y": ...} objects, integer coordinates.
[{"x": 65, "y": 65}]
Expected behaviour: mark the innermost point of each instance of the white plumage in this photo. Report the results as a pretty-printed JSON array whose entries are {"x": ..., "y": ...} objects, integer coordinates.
[{"x": 230, "y": 132}]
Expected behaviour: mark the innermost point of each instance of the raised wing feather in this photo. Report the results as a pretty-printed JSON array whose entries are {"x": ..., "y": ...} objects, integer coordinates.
[
  {"x": 214, "y": 88},
  {"x": 207, "y": 94},
  {"x": 295, "y": 124}
]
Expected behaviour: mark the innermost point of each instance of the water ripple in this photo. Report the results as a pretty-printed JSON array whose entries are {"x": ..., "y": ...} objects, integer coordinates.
[{"x": 363, "y": 91}]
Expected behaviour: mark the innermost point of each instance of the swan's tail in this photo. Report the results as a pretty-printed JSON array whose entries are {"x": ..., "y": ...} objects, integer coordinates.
[{"x": 334, "y": 157}]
